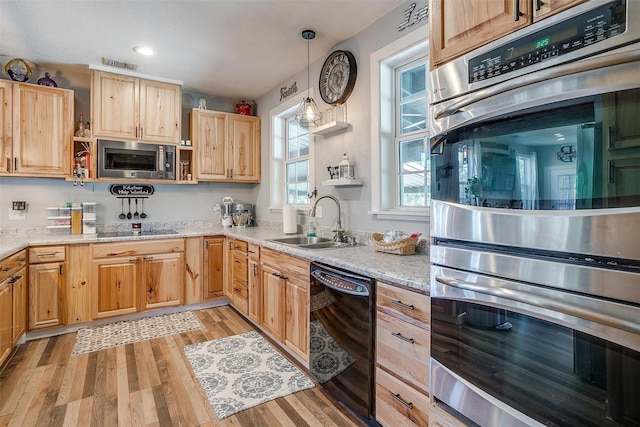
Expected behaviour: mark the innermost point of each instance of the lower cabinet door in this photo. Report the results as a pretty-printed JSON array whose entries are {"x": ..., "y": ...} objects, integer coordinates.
[
  {"x": 398, "y": 404},
  {"x": 45, "y": 284},
  {"x": 117, "y": 283},
  {"x": 6, "y": 302},
  {"x": 19, "y": 325},
  {"x": 297, "y": 317},
  {"x": 162, "y": 280},
  {"x": 273, "y": 302}
]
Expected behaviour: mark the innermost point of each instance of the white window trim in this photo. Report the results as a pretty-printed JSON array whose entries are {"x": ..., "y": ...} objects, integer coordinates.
[
  {"x": 277, "y": 114},
  {"x": 382, "y": 127}
]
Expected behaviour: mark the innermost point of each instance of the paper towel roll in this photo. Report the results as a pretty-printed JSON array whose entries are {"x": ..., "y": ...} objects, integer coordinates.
[{"x": 289, "y": 220}]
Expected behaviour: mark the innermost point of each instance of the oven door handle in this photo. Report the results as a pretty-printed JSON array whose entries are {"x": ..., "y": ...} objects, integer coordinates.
[
  {"x": 560, "y": 308},
  {"x": 589, "y": 64}
]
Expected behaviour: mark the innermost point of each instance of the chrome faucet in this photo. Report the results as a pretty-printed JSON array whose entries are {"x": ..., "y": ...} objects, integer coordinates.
[{"x": 338, "y": 232}]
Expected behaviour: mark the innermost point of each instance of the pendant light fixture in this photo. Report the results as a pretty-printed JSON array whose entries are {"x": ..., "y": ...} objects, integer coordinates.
[{"x": 308, "y": 113}]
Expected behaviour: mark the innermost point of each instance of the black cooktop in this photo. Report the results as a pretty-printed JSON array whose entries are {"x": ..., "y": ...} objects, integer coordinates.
[{"x": 138, "y": 233}]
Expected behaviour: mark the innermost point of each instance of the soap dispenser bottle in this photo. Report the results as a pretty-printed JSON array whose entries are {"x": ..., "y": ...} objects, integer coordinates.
[{"x": 312, "y": 227}]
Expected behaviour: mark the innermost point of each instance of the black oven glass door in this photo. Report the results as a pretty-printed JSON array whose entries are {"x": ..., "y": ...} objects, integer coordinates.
[
  {"x": 582, "y": 153},
  {"x": 130, "y": 160},
  {"x": 554, "y": 374}
]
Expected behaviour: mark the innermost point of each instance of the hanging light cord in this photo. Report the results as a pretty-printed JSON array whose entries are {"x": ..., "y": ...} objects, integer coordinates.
[{"x": 308, "y": 60}]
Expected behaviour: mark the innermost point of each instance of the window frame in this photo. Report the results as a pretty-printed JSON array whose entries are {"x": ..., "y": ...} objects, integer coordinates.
[
  {"x": 278, "y": 115},
  {"x": 384, "y": 159}
]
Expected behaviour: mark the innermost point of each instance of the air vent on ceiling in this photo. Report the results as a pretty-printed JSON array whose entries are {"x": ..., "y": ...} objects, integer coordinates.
[{"x": 118, "y": 64}]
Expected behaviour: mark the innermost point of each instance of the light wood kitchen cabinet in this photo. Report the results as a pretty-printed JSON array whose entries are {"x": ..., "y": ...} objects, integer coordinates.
[
  {"x": 402, "y": 356},
  {"x": 78, "y": 288},
  {"x": 460, "y": 26},
  {"x": 41, "y": 121},
  {"x": 162, "y": 275},
  {"x": 273, "y": 294},
  {"x": 46, "y": 286},
  {"x": 240, "y": 283},
  {"x": 285, "y": 300},
  {"x": 133, "y": 276},
  {"x": 227, "y": 286},
  {"x": 126, "y": 107},
  {"x": 255, "y": 284},
  {"x": 116, "y": 283},
  {"x": 213, "y": 267},
  {"x": 226, "y": 145},
  {"x": 19, "y": 320},
  {"x": 6, "y": 319},
  {"x": 194, "y": 259}
]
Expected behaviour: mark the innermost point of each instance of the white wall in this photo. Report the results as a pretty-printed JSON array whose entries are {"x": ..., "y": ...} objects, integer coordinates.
[{"x": 356, "y": 141}]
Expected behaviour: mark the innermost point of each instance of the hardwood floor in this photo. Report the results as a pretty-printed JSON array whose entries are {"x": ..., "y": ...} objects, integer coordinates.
[{"x": 148, "y": 383}]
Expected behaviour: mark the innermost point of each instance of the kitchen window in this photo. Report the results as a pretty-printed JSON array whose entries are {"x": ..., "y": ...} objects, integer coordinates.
[
  {"x": 292, "y": 154},
  {"x": 400, "y": 156}
]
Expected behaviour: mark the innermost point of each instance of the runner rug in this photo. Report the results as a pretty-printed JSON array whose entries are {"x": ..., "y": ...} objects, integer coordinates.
[
  {"x": 242, "y": 371},
  {"x": 130, "y": 331}
]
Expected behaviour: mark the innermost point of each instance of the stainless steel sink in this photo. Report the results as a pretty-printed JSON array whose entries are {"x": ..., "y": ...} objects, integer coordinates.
[{"x": 302, "y": 240}]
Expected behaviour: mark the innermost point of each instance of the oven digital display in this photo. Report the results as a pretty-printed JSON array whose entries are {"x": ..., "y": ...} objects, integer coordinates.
[{"x": 564, "y": 37}]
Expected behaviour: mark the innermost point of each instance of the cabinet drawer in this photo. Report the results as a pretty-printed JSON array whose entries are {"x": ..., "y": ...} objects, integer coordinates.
[
  {"x": 286, "y": 263},
  {"x": 12, "y": 263},
  {"x": 403, "y": 349},
  {"x": 241, "y": 297},
  {"x": 105, "y": 250},
  {"x": 240, "y": 246},
  {"x": 240, "y": 269},
  {"x": 407, "y": 305},
  {"x": 398, "y": 404},
  {"x": 42, "y": 254}
]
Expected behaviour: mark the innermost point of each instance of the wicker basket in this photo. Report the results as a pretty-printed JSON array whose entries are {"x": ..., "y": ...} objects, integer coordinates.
[{"x": 399, "y": 247}]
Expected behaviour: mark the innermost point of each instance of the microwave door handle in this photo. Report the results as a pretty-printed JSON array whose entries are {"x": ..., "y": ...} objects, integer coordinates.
[
  {"x": 600, "y": 61},
  {"x": 513, "y": 300}
]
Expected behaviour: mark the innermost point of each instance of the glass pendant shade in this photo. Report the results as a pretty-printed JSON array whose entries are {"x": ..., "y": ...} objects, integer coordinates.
[{"x": 308, "y": 113}]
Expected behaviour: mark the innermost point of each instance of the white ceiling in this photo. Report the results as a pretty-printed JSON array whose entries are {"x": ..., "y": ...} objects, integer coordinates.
[{"x": 230, "y": 48}]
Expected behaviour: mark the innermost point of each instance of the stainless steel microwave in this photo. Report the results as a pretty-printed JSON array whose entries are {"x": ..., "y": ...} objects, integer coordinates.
[{"x": 129, "y": 159}]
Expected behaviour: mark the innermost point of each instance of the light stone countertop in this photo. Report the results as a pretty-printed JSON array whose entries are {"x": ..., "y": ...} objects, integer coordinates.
[{"x": 411, "y": 271}]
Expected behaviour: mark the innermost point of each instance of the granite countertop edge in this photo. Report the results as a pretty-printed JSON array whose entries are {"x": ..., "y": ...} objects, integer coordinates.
[{"x": 411, "y": 271}]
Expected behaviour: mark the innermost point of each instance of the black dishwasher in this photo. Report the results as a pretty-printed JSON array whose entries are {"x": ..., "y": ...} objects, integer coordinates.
[{"x": 341, "y": 345}]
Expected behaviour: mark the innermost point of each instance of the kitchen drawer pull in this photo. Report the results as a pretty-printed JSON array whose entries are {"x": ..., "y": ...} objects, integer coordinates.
[
  {"x": 399, "y": 335},
  {"x": 237, "y": 261},
  {"x": 150, "y": 258},
  {"x": 255, "y": 270},
  {"x": 6, "y": 269},
  {"x": 401, "y": 400},
  {"x": 48, "y": 254},
  {"x": 403, "y": 305},
  {"x": 516, "y": 10},
  {"x": 610, "y": 138},
  {"x": 8, "y": 164}
]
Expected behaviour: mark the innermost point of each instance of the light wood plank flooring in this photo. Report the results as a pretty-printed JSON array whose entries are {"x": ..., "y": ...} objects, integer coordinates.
[{"x": 148, "y": 383}]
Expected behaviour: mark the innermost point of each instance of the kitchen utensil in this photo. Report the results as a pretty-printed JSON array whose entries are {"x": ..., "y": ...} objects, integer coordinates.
[
  {"x": 142, "y": 214},
  {"x": 136, "y": 214},
  {"x": 122, "y": 215},
  {"x": 129, "y": 214}
]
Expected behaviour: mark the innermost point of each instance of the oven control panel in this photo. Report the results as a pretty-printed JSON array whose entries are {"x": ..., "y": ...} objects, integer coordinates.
[{"x": 567, "y": 36}]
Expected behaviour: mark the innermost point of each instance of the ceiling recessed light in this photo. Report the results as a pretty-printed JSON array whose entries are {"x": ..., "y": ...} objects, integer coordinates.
[{"x": 144, "y": 50}]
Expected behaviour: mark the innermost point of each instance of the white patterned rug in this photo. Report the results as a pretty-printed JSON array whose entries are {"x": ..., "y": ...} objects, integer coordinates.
[
  {"x": 328, "y": 359},
  {"x": 242, "y": 371},
  {"x": 130, "y": 331}
]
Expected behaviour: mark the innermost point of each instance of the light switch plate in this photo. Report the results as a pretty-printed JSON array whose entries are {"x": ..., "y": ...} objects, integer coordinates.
[
  {"x": 17, "y": 215},
  {"x": 19, "y": 206}
]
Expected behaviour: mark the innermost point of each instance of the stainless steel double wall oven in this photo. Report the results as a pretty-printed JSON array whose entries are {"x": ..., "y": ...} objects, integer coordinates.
[{"x": 535, "y": 277}]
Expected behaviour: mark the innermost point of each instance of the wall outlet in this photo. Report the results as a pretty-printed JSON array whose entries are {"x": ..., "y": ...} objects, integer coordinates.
[
  {"x": 318, "y": 211},
  {"x": 15, "y": 215},
  {"x": 19, "y": 206}
]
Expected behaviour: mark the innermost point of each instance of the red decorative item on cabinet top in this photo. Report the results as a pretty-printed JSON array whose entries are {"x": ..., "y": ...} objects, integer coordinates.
[{"x": 243, "y": 108}]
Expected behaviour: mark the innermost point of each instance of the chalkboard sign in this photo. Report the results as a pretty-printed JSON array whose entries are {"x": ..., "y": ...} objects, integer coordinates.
[{"x": 131, "y": 190}]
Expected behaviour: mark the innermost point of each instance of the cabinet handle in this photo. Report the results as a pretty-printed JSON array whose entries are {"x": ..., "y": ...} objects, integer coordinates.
[
  {"x": 22, "y": 259},
  {"x": 61, "y": 269},
  {"x": 236, "y": 261},
  {"x": 276, "y": 275},
  {"x": 516, "y": 10},
  {"x": 403, "y": 305},
  {"x": 133, "y": 260},
  {"x": 148, "y": 258},
  {"x": 15, "y": 164},
  {"x": 610, "y": 142},
  {"x": 399, "y": 335},
  {"x": 401, "y": 400},
  {"x": 8, "y": 164},
  {"x": 230, "y": 246},
  {"x": 47, "y": 254},
  {"x": 539, "y": 4},
  {"x": 255, "y": 270},
  {"x": 6, "y": 269},
  {"x": 610, "y": 172}
]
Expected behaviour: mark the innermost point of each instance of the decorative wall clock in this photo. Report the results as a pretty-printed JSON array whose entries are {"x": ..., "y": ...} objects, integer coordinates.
[{"x": 338, "y": 77}]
